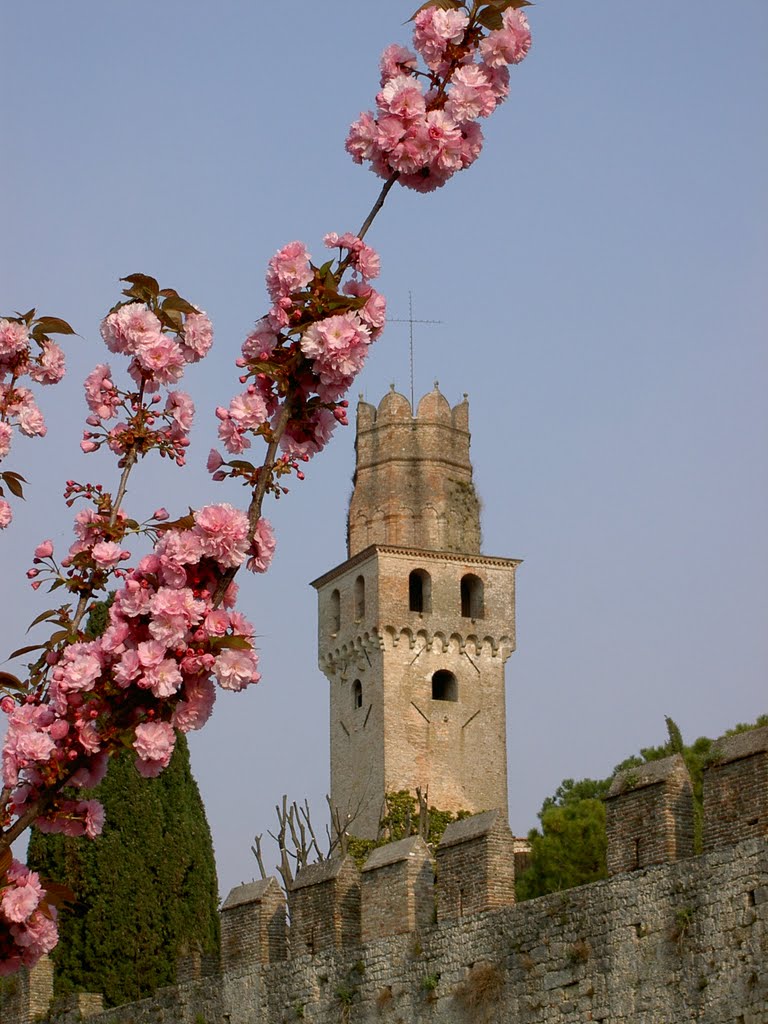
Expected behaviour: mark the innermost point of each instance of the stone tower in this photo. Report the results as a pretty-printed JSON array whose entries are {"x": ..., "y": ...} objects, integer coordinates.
[{"x": 416, "y": 625}]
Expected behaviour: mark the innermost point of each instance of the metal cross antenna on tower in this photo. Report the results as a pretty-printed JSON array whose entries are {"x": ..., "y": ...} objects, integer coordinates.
[{"x": 410, "y": 321}]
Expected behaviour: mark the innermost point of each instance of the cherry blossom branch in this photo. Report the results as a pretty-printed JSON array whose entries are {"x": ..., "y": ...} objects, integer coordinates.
[{"x": 377, "y": 206}]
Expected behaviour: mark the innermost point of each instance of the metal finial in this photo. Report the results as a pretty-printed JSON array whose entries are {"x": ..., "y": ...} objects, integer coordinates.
[{"x": 410, "y": 321}]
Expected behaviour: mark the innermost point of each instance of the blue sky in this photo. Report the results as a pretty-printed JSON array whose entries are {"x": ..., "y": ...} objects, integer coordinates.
[{"x": 600, "y": 274}]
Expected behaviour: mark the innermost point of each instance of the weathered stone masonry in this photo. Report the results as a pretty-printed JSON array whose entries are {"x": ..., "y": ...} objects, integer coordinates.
[{"x": 681, "y": 940}]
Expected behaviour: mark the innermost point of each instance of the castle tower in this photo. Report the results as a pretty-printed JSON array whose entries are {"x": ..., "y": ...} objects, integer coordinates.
[{"x": 416, "y": 625}]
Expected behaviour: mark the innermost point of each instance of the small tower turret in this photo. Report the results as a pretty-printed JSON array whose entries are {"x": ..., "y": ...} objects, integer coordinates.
[{"x": 413, "y": 480}]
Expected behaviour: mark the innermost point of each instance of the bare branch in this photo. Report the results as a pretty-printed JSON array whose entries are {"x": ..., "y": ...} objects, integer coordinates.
[{"x": 256, "y": 851}]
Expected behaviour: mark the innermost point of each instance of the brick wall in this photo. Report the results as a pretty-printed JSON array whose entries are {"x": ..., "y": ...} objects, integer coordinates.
[
  {"x": 736, "y": 789},
  {"x": 649, "y": 815},
  {"x": 666, "y": 944}
]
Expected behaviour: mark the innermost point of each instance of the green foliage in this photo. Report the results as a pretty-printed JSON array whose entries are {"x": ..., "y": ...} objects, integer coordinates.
[
  {"x": 400, "y": 821},
  {"x": 570, "y": 848},
  {"x": 146, "y": 888}
]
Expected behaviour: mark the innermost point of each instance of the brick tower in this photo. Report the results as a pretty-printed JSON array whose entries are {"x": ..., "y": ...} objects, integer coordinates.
[{"x": 416, "y": 625}]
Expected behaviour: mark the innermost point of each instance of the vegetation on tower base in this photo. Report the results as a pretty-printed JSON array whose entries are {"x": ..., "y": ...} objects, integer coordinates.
[
  {"x": 570, "y": 848},
  {"x": 146, "y": 888}
]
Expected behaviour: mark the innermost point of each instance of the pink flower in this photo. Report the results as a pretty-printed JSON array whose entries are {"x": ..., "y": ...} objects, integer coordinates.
[
  {"x": 100, "y": 393},
  {"x": 223, "y": 533},
  {"x": 197, "y": 336},
  {"x": 215, "y": 461},
  {"x": 22, "y": 898},
  {"x": 288, "y": 271},
  {"x": 337, "y": 346},
  {"x": 262, "y": 547},
  {"x": 395, "y": 60},
  {"x": 362, "y": 143},
  {"x": 164, "y": 680},
  {"x": 107, "y": 554},
  {"x": 50, "y": 366},
  {"x": 6, "y": 433},
  {"x": 13, "y": 338},
  {"x": 93, "y": 812},
  {"x": 154, "y": 745},
  {"x": 160, "y": 514},
  {"x": 195, "y": 710},
  {"x": 79, "y": 668},
  {"x": 181, "y": 407},
  {"x": 161, "y": 357},
  {"x": 234, "y": 669},
  {"x": 260, "y": 343},
  {"x": 5, "y": 514},
  {"x": 510, "y": 44},
  {"x": 31, "y": 420},
  {"x": 130, "y": 326},
  {"x": 44, "y": 550}
]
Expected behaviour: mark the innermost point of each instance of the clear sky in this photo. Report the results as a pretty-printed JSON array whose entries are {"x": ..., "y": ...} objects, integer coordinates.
[{"x": 601, "y": 277}]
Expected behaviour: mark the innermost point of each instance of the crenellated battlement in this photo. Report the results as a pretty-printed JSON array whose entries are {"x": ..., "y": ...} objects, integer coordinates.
[
  {"x": 392, "y": 938},
  {"x": 413, "y": 477}
]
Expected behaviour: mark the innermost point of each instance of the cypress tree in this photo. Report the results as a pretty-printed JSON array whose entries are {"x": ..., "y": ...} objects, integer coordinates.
[{"x": 146, "y": 889}]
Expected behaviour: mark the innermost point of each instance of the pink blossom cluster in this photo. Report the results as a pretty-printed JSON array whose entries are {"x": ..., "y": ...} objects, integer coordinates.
[
  {"x": 18, "y": 408},
  {"x": 152, "y": 671},
  {"x": 425, "y": 126},
  {"x": 27, "y": 921},
  {"x": 158, "y": 358},
  {"x": 312, "y": 342}
]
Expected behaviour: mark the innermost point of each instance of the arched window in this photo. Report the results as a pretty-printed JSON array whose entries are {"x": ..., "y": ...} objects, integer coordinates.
[
  {"x": 444, "y": 686},
  {"x": 357, "y": 694},
  {"x": 334, "y": 612},
  {"x": 471, "y": 597},
  {"x": 359, "y": 598},
  {"x": 420, "y": 591}
]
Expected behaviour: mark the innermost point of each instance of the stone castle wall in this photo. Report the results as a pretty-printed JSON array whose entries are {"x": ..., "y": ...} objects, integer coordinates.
[
  {"x": 666, "y": 944},
  {"x": 682, "y": 939}
]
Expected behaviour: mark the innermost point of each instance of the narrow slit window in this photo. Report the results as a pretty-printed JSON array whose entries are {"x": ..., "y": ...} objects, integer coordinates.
[
  {"x": 359, "y": 598},
  {"x": 334, "y": 612},
  {"x": 357, "y": 694}
]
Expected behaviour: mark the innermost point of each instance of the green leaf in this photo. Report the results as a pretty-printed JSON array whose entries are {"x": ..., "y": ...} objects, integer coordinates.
[
  {"x": 143, "y": 281},
  {"x": 181, "y": 305},
  {"x": 183, "y": 523},
  {"x": 42, "y": 617},
  {"x": 53, "y": 325},
  {"x": 490, "y": 18},
  {"x": 444, "y": 5},
  {"x": 54, "y": 638},
  {"x": 238, "y": 643},
  {"x": 56, "y": 893},
  {"x": 13, "y": 485},
  {"x": 11, "y": 682},
  {"x": 26, "y": 650}
]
